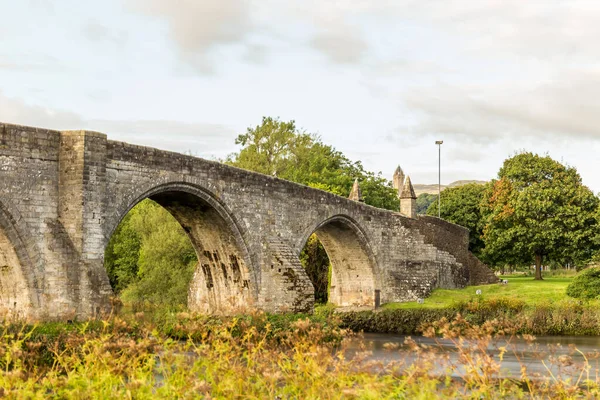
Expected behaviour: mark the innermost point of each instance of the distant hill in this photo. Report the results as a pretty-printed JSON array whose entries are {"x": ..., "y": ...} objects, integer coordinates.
[{"x": 433, "y": 188}]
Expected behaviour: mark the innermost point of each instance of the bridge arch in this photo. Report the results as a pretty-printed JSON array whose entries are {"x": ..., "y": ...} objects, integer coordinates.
[
  {"x": 352, "y": 261},
  {"x": 224, "y": 279},
  {"x": 19, "y": 295}
]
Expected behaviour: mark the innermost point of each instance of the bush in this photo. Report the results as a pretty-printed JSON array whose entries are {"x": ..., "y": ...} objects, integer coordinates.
[
  {"x": 586, "y": 285},
  {"x": 399, "y": 321}
]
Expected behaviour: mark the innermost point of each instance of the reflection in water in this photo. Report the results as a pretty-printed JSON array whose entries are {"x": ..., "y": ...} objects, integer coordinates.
[{"x": 558, "y": 356}]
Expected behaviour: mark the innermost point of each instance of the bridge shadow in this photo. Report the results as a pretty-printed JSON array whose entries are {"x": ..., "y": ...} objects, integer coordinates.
[{"x": 18, "y": 281}]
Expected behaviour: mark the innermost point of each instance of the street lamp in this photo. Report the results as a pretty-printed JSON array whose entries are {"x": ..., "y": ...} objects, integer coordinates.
[{"x": 439, "y": 143}]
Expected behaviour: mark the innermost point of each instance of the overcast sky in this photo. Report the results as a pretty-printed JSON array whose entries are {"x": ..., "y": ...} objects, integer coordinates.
[{"x": 379, "y": 80}]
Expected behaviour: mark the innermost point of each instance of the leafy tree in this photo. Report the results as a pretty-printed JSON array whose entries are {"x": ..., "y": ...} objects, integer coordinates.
[
  {"x": 279, "y": 149},
  {"x": 462, "y": 205},
  {"x": 270, "y": 148},
  {"x": 538, "y": 208},
  {"x": 424, "y": 200}
]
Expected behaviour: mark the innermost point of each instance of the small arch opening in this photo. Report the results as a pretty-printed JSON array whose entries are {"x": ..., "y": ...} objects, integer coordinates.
[
  {"x": 175, "y": 249},
  {"x": 316, "y": 262},
  {"x": 339, "y": 264}
]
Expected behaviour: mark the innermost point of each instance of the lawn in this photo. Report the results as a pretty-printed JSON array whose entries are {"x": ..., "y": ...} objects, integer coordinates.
[{"x": 549, "y": 290}]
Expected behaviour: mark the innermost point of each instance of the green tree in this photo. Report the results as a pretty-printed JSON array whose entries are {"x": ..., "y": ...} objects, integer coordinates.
[
  {"x": 424, "y": 200},
  {"x": 536, "y": 209},
  {"x": 462, "y": 205},
  {"x": 279, "y": 149}
]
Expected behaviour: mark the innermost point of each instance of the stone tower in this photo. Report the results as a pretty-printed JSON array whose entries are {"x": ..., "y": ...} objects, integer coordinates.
[
  {"x": 355, "y": 193},
  {"x": 408, "y": 200},
  {"x": 398, "y": 180}
]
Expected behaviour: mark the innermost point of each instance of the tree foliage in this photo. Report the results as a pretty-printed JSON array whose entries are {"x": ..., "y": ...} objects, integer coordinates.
[
  {"x": 536, "y": 209},
  {"x": 122, "y": 254},
  {"x": 279, "y": 149},
  {"x": 314, "y": 259},
  {"x": 462, "y": 205},
  {"x": 424, "y": 200}
]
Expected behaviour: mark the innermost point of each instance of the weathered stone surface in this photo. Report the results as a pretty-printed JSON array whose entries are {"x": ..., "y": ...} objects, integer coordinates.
[
  {"x": 398, "y": 180},
  {"x": 355, "y": 192},
  {"x": 62, "y": 194}
]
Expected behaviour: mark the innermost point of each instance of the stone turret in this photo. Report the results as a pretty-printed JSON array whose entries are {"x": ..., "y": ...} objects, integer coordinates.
[
  {"x": 355, "y": 193},
  {"x": 398, "y": 180},
  {"x": 408, "y": 200}
]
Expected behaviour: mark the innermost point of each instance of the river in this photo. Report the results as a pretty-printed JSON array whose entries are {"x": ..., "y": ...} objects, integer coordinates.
[{"x": 546, "y": 356}]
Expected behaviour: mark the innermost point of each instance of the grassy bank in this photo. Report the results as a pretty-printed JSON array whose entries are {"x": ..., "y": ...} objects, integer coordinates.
[
  {"x": 524, "y": 306},
  {"x": 524, "y": 288},
  {"x": 254, "y": 357}
]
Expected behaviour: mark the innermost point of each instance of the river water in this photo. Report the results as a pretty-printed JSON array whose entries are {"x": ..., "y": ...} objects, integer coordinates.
[{"x": 546, "y": 356}]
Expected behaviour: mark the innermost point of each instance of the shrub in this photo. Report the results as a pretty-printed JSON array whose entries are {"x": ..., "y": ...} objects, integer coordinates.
[
  {"x": 399, "y": 321},
  {"x": 586, "y": 285}
]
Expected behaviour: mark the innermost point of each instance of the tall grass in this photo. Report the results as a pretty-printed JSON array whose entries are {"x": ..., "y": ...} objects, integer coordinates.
[
  {"x": 565, "y": 317},
  {"x": 255, "y": 357}
]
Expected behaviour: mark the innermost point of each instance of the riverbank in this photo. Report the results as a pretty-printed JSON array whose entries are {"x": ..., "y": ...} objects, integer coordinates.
[
  {"x": 467, "y": 351},
  {"x": 523, "y": 306},
  {"x": 261, "y": 356},
  {"x": 562, "y": 318}
]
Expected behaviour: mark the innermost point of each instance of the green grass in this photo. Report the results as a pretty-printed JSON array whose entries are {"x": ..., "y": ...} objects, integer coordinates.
[{"x": 525, "y": 288}]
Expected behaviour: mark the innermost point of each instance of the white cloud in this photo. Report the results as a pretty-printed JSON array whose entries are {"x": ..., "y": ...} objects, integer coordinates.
[
  {"x": 342, "y": 46},
  {"x": 202, "y": 139},
  {"x": 17, "y": 111},
  {"x": 98, "y": 32},
  {"x": 565, "y": 106},
  {"x": 26, "y": 62},
  {"x": 485, "y": 75},
  {"x": 199, "y": 27}
]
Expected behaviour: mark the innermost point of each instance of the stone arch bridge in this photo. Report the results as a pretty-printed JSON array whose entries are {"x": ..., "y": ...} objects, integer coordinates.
[{"x": 62, "y": 194}]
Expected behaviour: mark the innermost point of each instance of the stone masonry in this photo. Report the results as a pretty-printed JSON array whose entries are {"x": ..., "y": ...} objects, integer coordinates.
[
  {"x": 62, "y": 195},
  {"x": 408, "y": 200},
  {"x": 398, "y": 180},
  {"x": 355, "y": 192}
]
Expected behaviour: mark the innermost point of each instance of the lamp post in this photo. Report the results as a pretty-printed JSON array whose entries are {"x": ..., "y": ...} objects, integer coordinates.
[{"x": 439, "y": 143}]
